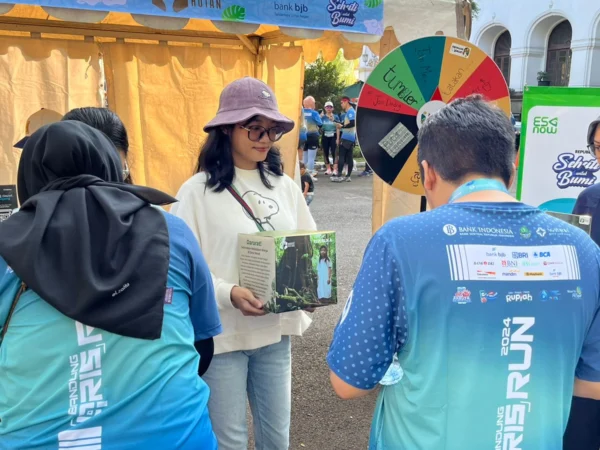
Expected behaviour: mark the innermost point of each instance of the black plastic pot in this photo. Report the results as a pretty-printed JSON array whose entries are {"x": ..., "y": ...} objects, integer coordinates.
[{"x": 543, "y": 82}]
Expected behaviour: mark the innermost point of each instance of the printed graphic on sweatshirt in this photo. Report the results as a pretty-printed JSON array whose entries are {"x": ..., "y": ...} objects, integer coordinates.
[{"x": 264, "y": 208}]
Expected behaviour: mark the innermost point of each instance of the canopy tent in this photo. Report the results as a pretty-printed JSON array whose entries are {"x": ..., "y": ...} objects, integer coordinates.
[
  {"x": 164, "y": 83},
  {"x": 353, "y": 91}
]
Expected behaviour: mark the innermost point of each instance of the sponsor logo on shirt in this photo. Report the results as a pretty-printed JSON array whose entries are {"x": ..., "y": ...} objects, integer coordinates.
[
  {"x": 555, "y": 273},
  {"x": 471, "y": 262},
  {"x": 550, "y": 295},
  {"x": 486, "y": 296},
  {"x": 534, "y": 274},
  {"x": 462, "y": 296},
  {"x": 541, "y": 254},
  {"x": 541, "y": 232},
  {"x": 512, "y": 415},
  {"x": 485, "y": 274},
  {"x": 576, "y": 293},
  {"x": 520, "y": 255},
  {"x": 450, "y": 229},
  {"x": 519, "y": 296},
  {"x": 525, "y": 232}
]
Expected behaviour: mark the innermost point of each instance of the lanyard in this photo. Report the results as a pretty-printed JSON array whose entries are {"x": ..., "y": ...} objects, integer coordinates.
[{"x": 481, "y": 184}]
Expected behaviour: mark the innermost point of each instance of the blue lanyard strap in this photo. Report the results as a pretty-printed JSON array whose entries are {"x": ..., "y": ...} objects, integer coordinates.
[{"x": 481, "y": 184}]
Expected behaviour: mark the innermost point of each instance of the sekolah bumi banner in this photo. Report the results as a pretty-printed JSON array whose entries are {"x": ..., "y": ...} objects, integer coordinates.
[{"x": 555, "y": 162}]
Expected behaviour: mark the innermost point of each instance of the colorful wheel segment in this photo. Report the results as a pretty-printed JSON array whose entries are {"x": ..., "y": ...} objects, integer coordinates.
[{"x": 407, "y": 86}]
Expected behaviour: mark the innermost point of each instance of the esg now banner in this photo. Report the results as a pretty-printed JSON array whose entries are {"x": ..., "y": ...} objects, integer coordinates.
[{"x": 555, "y": 163}]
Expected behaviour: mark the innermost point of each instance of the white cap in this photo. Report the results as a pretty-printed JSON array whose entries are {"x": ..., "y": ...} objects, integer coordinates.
[{"x": 328, "y": 104}]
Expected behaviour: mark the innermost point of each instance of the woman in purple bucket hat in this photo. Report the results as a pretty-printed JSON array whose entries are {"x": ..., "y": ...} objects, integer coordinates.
[{"x": 240, "y": 187}]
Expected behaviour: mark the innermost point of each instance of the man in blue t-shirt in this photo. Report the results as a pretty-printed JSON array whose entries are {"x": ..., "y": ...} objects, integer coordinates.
[
  {"x": 347, "y": 141},
  {"x": 313, "y": 122},
  {"x": 67, "y": 385},
  {"x": 491, "y": 306}
]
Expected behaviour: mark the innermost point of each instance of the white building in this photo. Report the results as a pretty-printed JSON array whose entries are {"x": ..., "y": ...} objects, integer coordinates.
[{"x": 560, "y": 37}]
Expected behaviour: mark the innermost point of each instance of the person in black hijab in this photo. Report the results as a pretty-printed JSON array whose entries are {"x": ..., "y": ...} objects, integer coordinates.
[
  {"x": 114, "y": 319},
  {"x": 88, "y": 244}
]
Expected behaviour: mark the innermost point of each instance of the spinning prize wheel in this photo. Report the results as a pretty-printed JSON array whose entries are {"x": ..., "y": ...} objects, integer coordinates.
[{"x": 410, "y": 83}]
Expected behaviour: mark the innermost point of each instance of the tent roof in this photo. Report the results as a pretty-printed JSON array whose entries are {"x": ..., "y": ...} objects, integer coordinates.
[{"x": 410, "y": 19}]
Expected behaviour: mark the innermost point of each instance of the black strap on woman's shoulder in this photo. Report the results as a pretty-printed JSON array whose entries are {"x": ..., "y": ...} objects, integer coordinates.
[{"x": 246, "y": 207}]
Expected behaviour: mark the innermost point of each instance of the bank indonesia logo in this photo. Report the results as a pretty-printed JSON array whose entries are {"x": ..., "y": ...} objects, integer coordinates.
[{"x": 450, "y": 230}]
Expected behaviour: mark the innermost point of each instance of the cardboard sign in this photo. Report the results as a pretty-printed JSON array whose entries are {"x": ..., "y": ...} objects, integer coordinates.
[{"x": 289, "y": 271}]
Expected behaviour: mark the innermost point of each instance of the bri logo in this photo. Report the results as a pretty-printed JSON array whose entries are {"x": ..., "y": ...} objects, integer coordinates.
[{"x": 520, "y": 255}]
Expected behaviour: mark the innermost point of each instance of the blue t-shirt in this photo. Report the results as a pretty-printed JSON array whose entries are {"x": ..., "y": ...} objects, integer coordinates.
[
  {"x": 588, "y": 204},
  {"x": 313, "y": 122},
  {"x": 67, "y": 385},
  {"x": 490, "y": 324},
  {"x": 349, "y": 134},
  {"x": 329, "y": 126}
]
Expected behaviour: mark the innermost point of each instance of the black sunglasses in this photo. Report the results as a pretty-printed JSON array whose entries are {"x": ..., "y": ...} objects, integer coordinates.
[{"x": 256, "y": 133}]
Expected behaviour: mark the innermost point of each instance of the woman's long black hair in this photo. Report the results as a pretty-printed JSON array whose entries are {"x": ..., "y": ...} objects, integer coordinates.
[
  {"x": 216, "y": 159},
  {"x": 107, "y": 121},
  {"x": 326, "y": 254}
]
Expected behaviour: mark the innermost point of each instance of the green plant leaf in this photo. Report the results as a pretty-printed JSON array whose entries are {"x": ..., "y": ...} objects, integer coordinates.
[
  {"x": 373, "y": 3},
  {"x": 234, "y": 13}
]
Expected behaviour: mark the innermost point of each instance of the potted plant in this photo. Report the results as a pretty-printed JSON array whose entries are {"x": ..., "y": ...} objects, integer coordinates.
[{"x": 543, "y": 78}]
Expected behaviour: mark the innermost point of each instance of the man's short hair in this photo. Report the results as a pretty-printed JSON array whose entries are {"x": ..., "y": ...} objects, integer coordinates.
[
  {"x": 302, "y": 165},
  {"x": 468, "y": 136},
  {"x": 345, "y": 97}
]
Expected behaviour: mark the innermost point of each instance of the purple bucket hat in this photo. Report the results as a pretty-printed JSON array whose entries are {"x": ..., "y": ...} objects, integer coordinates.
[{"x": 244, "y": 99}]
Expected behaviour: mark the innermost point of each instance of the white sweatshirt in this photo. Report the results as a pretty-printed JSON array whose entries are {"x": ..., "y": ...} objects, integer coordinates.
[{"x": 216, "y": 219}]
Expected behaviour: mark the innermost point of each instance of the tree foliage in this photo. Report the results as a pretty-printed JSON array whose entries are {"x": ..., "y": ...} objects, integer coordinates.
[{"x": 325, "y": 81}]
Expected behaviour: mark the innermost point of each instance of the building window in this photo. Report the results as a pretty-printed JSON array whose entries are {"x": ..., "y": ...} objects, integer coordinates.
[
  {"x": 502, "y": 54},
  {"x": 558, "y": 58}
]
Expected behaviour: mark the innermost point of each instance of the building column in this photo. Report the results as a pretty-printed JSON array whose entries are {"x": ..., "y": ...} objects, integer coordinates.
[
  {"x": 525, "y": 63},
  {"x": 581, "y": 60}
]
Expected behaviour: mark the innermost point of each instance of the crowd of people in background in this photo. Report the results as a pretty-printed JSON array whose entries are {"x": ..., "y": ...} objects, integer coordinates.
[{"x": 334, "y": 134}]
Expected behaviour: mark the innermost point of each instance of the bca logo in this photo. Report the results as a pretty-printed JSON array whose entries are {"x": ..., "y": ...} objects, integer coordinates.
[{"x": 450, "y": 230}]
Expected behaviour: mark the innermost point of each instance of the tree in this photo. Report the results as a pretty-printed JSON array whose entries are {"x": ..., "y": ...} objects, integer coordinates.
[{"x": 325, "y": 81}]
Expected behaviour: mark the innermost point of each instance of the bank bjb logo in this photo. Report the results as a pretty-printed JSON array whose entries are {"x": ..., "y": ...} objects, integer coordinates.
[
  {"x": 450, "y": 229},
  {"x": 342, "y": 13},
  {"x": 545, "y": 125},
  {"x": 486, "y": 296},
  {"x": 462, "y": 296},
  {"x": 291, "y": 7}
]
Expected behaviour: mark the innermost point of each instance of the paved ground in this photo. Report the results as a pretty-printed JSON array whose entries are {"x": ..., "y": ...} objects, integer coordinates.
[{"x": 320, "y": 420}]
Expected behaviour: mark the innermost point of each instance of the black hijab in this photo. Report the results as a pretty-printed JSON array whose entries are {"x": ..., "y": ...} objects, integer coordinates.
[{"x": 88, "y": 244}]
